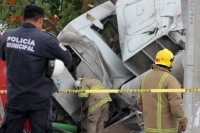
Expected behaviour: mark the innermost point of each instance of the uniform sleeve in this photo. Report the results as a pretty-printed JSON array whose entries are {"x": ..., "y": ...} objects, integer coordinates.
[
  {"x": 2, "y": 44},
  {"x": 55, "y": 50},
  {"x": 84, "y": 86},
  {"x": 139, "y": 101},
  {"x": 176, "y": 102}
]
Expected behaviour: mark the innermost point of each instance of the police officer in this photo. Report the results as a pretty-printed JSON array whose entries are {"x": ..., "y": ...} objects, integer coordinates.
[{"x": 26, "y": 51}]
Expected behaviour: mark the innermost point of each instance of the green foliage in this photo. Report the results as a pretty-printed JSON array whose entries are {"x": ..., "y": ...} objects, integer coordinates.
[
  {"x": 66, "y": 11},
  {"x": 11, "y": 13}
]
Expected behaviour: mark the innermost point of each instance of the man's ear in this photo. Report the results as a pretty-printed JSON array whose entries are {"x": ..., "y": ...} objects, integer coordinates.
[{"x": 41, "y": 21}]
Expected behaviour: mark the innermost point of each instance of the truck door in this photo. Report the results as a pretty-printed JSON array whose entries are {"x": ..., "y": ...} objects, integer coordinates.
[
  {"x": 140, "y": 22},
  {"x": 135, "y": 18}
]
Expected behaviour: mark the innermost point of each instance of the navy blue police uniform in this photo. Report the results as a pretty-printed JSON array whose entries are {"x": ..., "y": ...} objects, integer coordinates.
[{"x": 26, "y": 51}]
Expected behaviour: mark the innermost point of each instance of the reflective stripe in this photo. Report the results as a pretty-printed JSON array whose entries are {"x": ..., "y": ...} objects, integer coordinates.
[
  {"x": 159, "y": 106},
  {"x": 86, "y": 95},
  {"x": 99, "y": 104},
  {"x": 159, "y": 109},
  {"x": 97, "y": 87},
  {"x": 83, "y": 95},
  {"x": 180, "y": 119},
  {"x": 142, "y": 84},
  {"x": 166, "y": 130}
]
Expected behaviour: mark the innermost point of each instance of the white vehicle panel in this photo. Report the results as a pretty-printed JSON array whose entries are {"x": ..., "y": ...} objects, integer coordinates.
[
  {"x": 138, "y": 15},
  {"x": 141, "y": 22}
]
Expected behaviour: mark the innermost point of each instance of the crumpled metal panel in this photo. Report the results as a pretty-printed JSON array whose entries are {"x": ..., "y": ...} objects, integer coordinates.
[
  {"x": 95, "y": 54},
  {"x": 150, "y": 20},
  {"x": 93, "y": 50},
  {"x": 81, "y": 22},
  {"x": 139, "y": 16},
  {"x": 178, "y": 68},
  {"x": 90, "y": 54},
  {"x": 83, "y": 70},
  {"x": 70, "y": 102},
  {"x": 122, "y": 126}
]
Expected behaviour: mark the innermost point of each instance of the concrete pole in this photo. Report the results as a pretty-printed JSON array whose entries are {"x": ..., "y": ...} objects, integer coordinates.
[{"x": 192, "y": 66}]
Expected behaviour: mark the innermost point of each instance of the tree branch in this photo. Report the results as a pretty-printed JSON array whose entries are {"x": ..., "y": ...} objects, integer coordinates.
[
  {"x": 52, "y": 25},
  {"x": 108, "y": 36}
]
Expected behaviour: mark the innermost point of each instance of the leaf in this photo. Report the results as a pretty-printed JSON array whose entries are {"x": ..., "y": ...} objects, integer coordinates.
[
  {"x": 3, "y": 13},
  {"x": 46, "y": 6},
  {"x": 67, "y": 10},
  {"x": 19, "y": 12},
  {"x": 39, "y": 3}
]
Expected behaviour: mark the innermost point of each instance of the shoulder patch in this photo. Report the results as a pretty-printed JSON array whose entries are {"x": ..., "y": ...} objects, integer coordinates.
[{"x": 62, "y": 46}]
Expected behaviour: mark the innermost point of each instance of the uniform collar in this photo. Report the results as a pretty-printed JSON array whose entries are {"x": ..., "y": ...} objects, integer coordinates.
[
  {"x": 159, "y": 68},
  {"x": 28, "y": 25}
]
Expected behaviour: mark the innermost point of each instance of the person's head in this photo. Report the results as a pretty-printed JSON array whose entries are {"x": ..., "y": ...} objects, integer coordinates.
[
  {"x": 34, "y": 14},
  {"x": 164, "y": 58}
]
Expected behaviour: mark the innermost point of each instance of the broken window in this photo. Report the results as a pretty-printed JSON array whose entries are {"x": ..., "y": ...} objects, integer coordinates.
[{"x": 110, "y": 33}]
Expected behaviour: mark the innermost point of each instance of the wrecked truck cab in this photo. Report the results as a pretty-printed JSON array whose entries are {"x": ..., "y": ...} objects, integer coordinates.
[
  {"x": 83, "y": 35},
  {"x": 142, "y": 27},
  {"x": 97, "y": 60}
]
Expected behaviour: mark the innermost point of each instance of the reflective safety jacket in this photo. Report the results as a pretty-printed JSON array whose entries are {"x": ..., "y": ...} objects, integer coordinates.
[
  {"x": 162, "y": 112},
  {"x": 95, "y": 100}
]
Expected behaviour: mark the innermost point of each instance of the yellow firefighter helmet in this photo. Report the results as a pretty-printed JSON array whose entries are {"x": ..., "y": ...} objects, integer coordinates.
[{"x": 165, "y": 58}]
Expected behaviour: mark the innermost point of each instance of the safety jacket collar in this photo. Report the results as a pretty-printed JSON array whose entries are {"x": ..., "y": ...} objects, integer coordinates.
[
  {"x": 28, "y": 25},
  {"x": 159, "y": 68}
]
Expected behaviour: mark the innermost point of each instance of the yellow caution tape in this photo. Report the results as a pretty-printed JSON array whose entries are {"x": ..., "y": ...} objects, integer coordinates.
[
  {"x": 130, "y": 91},
  {"x": 123, "y": 91}
]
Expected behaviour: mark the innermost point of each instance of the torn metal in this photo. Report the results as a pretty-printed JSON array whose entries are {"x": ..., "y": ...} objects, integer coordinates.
[{"x": 142, "y": 27}]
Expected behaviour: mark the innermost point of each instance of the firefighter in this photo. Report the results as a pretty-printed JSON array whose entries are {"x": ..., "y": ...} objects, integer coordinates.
[
  {"x": 162, "y": 112},
  {"x": 98, "y": 104}
]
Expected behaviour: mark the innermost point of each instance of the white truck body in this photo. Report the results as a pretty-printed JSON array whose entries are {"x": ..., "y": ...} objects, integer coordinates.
[{"x": 144, "y": 27}]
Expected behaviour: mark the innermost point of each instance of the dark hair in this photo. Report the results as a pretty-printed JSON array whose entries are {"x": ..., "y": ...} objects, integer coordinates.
[
  {"x": 164, "y": 66},
  {"x": 33, "y": 12}
]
